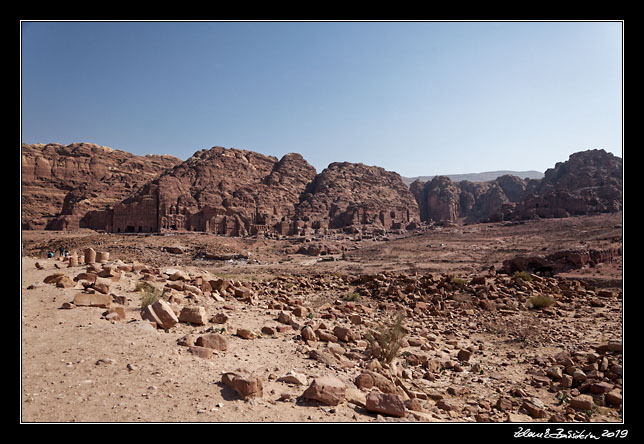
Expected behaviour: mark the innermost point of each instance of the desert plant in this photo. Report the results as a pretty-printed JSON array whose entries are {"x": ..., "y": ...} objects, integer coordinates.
[
  {"x": 459, "y": 282},
  {"x": 352, "y": 296},
  {"x": 540, "y": 301},
  {"x": 523, "y": 275},
  {"x": 387, "y": 340},
  {"x": 149, "y": 293}
]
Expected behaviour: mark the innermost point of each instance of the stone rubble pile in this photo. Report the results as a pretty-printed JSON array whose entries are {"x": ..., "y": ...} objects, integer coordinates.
[{"x": 439, "y": 362}]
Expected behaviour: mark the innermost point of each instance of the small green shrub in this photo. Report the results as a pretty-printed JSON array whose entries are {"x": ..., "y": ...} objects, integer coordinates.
[
  {"x": 540, "y": 301},
  {"x": 385, "y": 343},
  {"x": 351, "y": 297},
  {"x": 523, "y": 275},
  {"x": 149, "y": 293},
  {"x": 459, "y": 282}
]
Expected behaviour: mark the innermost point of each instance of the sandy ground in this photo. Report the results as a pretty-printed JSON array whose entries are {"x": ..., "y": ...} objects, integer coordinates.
[{"x": 77, "y": 366}]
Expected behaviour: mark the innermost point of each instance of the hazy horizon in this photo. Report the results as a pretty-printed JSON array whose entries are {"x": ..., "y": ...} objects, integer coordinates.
[{"x": 418, "y": 98}]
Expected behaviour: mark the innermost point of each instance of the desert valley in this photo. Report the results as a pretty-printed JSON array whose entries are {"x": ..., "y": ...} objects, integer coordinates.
[{"x": 239, "y": 287}]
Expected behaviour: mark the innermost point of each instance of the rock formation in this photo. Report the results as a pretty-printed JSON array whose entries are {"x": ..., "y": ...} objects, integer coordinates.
[
  {"x": 347, "y": 194},
  {"x": 62, "y": 183},
  {"x": 561, "y": 261},
  {"x": 590, "y": 182},
  {"x": 223, "y": 191},
  {"x": 442, "y": 200},
  {"x": 238, "y": 192}
]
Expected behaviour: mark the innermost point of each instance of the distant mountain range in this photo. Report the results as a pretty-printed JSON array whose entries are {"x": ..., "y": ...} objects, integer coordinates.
[{"x": 478, "y": 177}]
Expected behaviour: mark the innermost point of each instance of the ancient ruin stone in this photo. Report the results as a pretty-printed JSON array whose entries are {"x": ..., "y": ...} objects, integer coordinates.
[
  {"x": 193, "y": 315},
  {"x": 90, "y": 256},
  {"x": 161, "y": 313}
]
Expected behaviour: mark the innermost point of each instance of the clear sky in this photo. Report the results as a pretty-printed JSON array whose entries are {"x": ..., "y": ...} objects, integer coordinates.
[{"x": 418, "y": 98}]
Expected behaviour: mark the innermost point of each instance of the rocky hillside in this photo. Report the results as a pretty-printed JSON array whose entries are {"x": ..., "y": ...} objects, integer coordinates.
[
  {"x": 442, "y": 200},
  {"x": 346, "y": 194},
  {"x": 590, "y": 182},
  {"x": 238, "y": 192},
  {"x": 219, "y": 190},
  {"x": 61, "y": 183}
]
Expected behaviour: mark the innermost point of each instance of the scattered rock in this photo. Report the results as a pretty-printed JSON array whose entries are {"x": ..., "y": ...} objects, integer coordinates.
[
  {"x": 464, "y": 355},
  {"x": 161, "y": 313},
  {"x": 219, "y": 318},
  {"x": 193, "y": 315},
  {"x": 244, "y": 383},
  {"x": 216, "y": 341},
  {"x": 328, "y": 390},
  {"x": 385, "y": 403},
  {"x": 582, "y": 402},
  {"x": 293, "y": 377},
  {"x": 202, "y": 352},
  {"x": 246, "y": 333},
  {"x": 308, "y": 334}
]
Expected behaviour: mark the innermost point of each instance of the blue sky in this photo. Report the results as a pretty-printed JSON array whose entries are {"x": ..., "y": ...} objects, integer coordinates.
[{"x": 418, "y": 98}]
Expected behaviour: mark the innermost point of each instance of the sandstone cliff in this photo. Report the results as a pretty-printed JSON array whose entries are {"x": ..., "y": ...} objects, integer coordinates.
[
  {"x": 61, "y": 183},
  {"x": 238, "y": 192},
  {"x": 442, "y": 200},
  {"x": 589, "y": 182},
  {"x": 219, "y": 190},
  {"x": 347, "y": 194}
]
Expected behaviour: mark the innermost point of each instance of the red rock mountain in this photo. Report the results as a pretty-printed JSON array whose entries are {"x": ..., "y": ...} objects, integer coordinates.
[
  {"x": 220, "y": 190},
  {"x": 238, "y": 192},
  {"x": 347, "y": 194},
  {"x": 442, "y": 200},
  {"x": 61, "y": 183},
  {"x": 590, "y": 182}
]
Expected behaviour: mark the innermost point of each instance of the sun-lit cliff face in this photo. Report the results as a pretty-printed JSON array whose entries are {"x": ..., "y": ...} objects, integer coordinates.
[
  {"x": 69, "y": 180},
  {"x": 239, "y": 192}
]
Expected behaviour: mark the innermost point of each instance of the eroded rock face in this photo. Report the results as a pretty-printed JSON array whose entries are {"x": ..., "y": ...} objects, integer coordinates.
[
  {"x": 236, "y": 192},
  {"x": 589, "y": 182},
  {"x": 442, "y": 200},
  {"x": 348, "y": 194},
  {"x": 223, "y": 191},
  {"x": 61, "y": 183}
]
